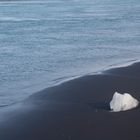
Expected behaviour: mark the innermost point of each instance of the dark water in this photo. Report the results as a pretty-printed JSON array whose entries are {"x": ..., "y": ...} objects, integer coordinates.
[{"x": 45, "y": 42}]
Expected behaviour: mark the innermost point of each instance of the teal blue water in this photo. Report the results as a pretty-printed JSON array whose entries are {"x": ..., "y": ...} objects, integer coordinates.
[{"x": 46, "y": 42}]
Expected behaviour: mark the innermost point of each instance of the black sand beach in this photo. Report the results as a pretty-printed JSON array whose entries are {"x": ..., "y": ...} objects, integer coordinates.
[{"x": 78, "y": 110}]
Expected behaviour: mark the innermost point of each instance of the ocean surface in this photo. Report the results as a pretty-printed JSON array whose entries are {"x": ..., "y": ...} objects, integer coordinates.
[{"x": 43, "y": 43}]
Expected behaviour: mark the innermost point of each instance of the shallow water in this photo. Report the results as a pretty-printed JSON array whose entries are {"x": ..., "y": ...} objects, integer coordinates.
[{"x": 45, "y": 42}]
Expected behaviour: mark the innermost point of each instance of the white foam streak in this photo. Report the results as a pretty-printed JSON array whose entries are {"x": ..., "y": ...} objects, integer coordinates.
[
  {"x": 16, "y": 19},
  {"x": 26, "y": 2}
]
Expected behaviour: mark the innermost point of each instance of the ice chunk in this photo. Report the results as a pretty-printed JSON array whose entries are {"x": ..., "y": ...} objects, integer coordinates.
[{"x": 122, "y": 102}]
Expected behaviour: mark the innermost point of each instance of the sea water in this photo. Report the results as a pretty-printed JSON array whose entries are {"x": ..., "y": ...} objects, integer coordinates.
[{"x": 45, "y": 42}]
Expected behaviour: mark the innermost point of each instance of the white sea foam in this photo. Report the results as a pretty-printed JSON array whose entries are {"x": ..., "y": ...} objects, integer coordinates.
[
  {"x": 122, "y": 102},
  {"x": 16, "y": 19},
  {"x": 121, "y": 65},
  {"x": 25, "y": 2}
]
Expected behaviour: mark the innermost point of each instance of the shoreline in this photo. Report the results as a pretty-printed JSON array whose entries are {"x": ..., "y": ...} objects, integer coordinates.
[
  {"x": 110, "y": 67},
  {"x": 24, "y": 91},
  {"x": 78, "y": 110}
]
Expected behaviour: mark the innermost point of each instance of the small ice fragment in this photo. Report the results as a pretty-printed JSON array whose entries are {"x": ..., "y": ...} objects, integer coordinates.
[{"x": 122, "y": 102}]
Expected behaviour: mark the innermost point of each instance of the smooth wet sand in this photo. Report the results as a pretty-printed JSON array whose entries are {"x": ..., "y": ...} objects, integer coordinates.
[{"x": 78, "y": 110}]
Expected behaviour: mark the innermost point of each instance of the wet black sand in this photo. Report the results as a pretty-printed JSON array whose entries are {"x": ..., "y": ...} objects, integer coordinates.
[{"x": 78, "y": 110}]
